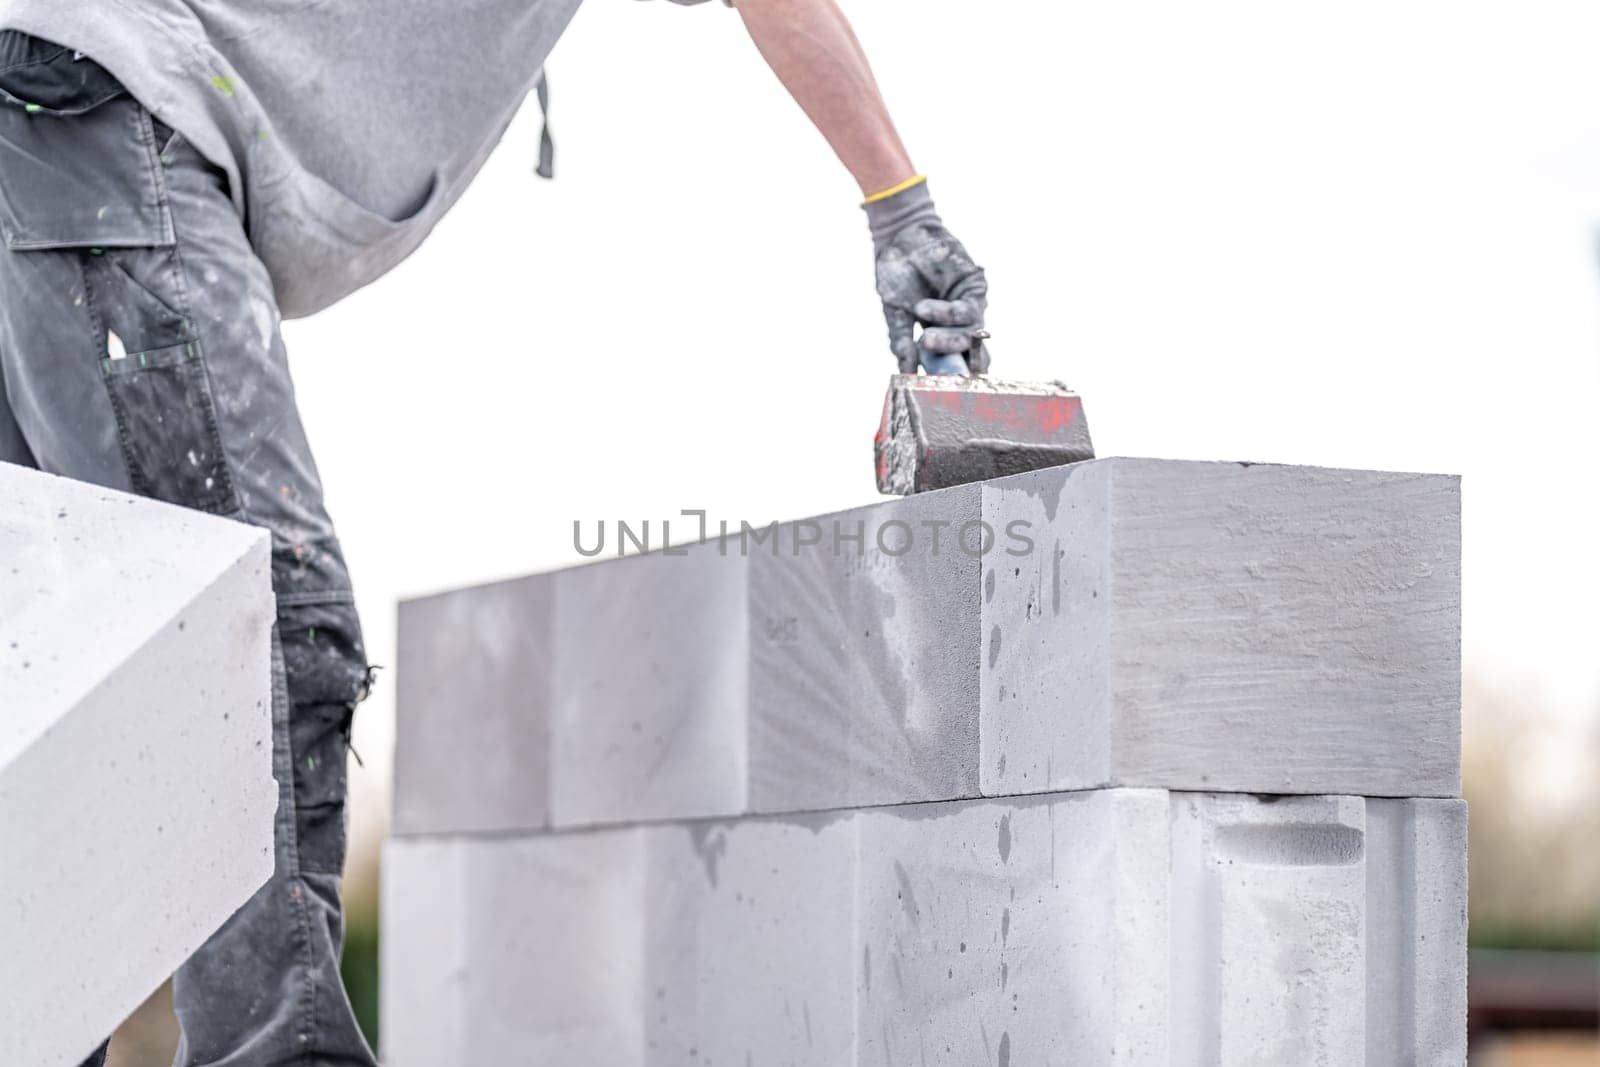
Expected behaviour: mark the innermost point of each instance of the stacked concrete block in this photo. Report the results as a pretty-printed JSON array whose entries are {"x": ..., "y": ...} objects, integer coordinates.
[
  {"x": 1133, "y": 622},
  {"x": 864, "y": 662},
  {"x": 674, "y": 726},
  {"x": 1111, "y": 925},
  {"x": 136, "y": 790},
  {"x": 1084, "y": 765},
  {"x": 1225, "y": 626}
]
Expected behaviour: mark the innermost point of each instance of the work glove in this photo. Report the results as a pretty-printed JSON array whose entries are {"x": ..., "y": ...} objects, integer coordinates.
[{"x": 925, "y": 277}]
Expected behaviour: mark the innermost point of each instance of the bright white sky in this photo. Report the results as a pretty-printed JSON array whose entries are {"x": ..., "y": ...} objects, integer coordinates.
[{"x": 1364, "y": 234}]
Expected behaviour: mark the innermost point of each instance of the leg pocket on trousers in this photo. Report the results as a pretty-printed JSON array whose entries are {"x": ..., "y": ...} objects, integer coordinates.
[
  {"x": 319, "y": 738},
  {"x": 327, "y": 676},
  {"x": 82, "y": 179},
  {"x": 167, "y": 425}
]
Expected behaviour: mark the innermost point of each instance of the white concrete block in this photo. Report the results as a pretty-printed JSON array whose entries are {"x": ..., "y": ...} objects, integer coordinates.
[
  {"x": 602, "y": 694},
  {"x": 472, "y": 731},
  {"x": 1046, "y": 626},
  {"x": 1129, "y": 925},
  {"x": 775, "y": 674},
  {"x": 1142, "y": 623},
  {"x": 584, "y": 1004},
  {"x": 1000, "y": 932},
  {"x": 1268, "y": 929},
  {"x": 430, "y": 972},
  {"x": 136, "y": 790},
  {"x": 649, "y": 688},
  {"x": 514, "y": 950},
  {"x": 1416, "y": 931},
  {"x": 747, "y": 959},
  {"x": 631, "y": 946},
  {"x": 864, "y": 662},
  {"x": 1224, "y": 626}
]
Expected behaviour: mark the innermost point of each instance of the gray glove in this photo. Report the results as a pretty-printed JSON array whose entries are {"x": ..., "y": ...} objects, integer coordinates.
[{"x": 926, "y": 277}]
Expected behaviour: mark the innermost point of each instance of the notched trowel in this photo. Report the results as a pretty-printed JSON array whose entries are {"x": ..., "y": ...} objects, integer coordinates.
[{"x": 941, "y": 430}]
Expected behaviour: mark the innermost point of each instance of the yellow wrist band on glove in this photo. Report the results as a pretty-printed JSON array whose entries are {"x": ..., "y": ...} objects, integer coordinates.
[{"x": 894, "y": 189}]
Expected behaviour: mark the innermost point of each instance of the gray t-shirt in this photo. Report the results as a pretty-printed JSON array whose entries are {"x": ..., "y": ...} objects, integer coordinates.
[{"x": 346, "y": 128}]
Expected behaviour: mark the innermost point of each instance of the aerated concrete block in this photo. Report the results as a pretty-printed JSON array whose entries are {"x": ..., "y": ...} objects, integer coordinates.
[
  {"x": 812, "y": 665},
  {"x": 1109, "y": 925},
  {"x": 1269, "y": 919},
  {"x": 745, "y": 953},
  {"x": 649, "y": 686},
  {"x": 513, "y": 950},
  {"x": 472, "y": 737},
  {"x": 1013, "y": 931},
  {"x": 1144, "y": 623},
  {"x": 1416, "y": 931},
  {"x": 601, "y": 694},
  {"x": 1224, "y": 626},
  {"x": 639, "y": 945},
  {"x": 864, "y": 658},
  {"x": 136, "y": 790}
]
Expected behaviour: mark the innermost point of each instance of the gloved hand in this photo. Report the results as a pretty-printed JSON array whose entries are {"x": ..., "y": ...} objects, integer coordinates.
[{"x": 925, "y": 276}]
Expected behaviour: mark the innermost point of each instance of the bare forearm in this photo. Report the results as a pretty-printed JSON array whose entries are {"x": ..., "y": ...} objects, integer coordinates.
[{"x": 810, "y": 46}]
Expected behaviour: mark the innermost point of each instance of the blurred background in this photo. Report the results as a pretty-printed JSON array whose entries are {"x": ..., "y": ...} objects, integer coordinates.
[{"x": 1362, "y": 235}]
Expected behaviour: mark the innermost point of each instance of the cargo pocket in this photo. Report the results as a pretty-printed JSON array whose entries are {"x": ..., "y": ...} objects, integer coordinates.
[
  {"x": 88, "y": 178},
  {"x": 167, "y": 426},
  {"x": 80, "y": 176},
  {"x": 319, "y": 735},
  {"x": 155, "y": 372},
  {"x": 327, "y": 677}
]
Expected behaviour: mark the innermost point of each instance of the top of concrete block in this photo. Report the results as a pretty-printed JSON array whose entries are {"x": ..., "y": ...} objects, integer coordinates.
[{"x": 87, "y": 575}]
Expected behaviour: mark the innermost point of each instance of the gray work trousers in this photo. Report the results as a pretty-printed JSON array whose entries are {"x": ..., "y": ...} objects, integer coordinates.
[{"x": 139, "y": 350}]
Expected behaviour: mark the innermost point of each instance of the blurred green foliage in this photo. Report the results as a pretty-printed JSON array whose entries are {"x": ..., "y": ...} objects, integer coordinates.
[
  {"x": 360, "y": 967},
  {"x": 1492, "y": 931}
]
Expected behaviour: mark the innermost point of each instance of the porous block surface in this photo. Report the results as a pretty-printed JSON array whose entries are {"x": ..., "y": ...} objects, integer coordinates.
[
  {"x": 136, "y": 789},
  {"x": 864, "y": 665},
  {"x": 1126, "y": 925},
  {"x": 1142, "y": 623},
  {"x": 1224, "y": 626}
]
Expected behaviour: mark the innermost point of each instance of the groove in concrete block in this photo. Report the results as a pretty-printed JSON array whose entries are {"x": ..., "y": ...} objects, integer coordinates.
[
  {"x": 1152, "y": 927},
  {"x": 1269, "y": 950},
  {"x": 1416, "y": 931}
]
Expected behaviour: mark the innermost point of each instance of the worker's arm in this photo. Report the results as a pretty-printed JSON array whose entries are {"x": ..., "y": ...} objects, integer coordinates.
[{"x": 924, "y": 274}]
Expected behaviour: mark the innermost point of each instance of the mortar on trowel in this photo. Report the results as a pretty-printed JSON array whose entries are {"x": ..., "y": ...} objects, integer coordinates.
[{"x": 948, "y": 427}]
